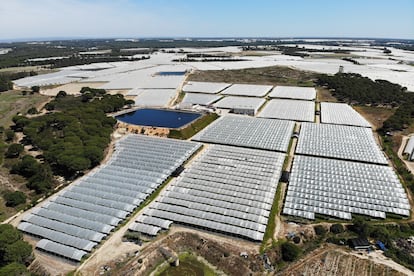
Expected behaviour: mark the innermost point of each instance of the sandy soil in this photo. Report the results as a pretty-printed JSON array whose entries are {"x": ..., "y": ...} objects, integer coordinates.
[
  {"x": 334, "y": 260},
  {"x": 71, "y": 88}
]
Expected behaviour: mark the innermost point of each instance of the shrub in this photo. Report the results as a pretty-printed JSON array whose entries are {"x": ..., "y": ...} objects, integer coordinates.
[
  {"x": 32, "y": 110},
  {"x": 14, "y": 198},
  {"x": 296, "y": 239},
  {"x": 320, "y": 230},
  {"x": 336, "y": 228},
  {"x": 9, "y": 134},
  {"x": 290, "y": 251},
  {"x": 14, "y": 150}
]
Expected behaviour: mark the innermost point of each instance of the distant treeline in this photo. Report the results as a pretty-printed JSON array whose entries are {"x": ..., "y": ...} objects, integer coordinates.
[
  {"x": 356, "y": 89},
  {"x": 79, "y": 60},
  {"x": 7, "y": 78}
]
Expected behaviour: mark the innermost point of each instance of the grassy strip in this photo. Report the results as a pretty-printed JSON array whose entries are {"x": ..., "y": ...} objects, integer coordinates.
[
  {"x": 193, "y": 128},
  {"x": 405, "y": 175},
  {"x": 271, "y": 224},
  {"x": 189, "y": 265}
]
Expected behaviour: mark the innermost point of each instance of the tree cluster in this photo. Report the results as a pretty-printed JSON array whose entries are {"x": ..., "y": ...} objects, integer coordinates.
[
  {"x": 38, "y": 175},
  {"x": 7, "y": 78},
  {"x": 14, "y": 198},
  {"x": 74, "y": 137},
  {"x": 389, "y": 234},
  {"x": 354, "y": 88},
  {"x": 15, "y": 253}
]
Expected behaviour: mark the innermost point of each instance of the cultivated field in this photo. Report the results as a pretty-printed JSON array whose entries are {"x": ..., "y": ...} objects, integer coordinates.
[{"x": 274, "y": 75}]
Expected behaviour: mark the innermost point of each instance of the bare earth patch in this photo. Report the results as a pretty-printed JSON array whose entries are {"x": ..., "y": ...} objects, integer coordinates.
[
  {"x": 274, "y": 75},
  {"x": 375, "y": 115},
  {"x": 332, "y": 260}
]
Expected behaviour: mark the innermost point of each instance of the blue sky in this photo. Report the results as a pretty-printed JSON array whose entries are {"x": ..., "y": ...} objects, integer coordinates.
[{"x": 208, "y": 18}]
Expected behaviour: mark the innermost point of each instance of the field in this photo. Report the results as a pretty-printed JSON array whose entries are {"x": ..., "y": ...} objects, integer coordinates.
[
  {"x": 274, "y": 75},
  {"x": 13, "y": 102},
  {"x": 375, "y": 115},
  {"x": 334, "y": 261}
]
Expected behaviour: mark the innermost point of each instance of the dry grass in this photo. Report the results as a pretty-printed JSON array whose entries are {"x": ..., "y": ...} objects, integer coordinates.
[
  {"x": 274, "y": 75},
  {"x": 375, "y": 115},
  {"x": 13, "y": 102},
  {"x": 323, "y": 95}
]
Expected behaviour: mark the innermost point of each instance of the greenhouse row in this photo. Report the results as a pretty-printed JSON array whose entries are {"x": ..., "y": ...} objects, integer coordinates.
[
  {"x": 248, "y": 132},
  {"x": 293, "y": 92},
  {"x": 227, "y": 189},
  {"x": 339, "y": 188},
  {"x": 342, "y": 142},
  {"x": 341, "y": 114},
  {"x": 205, "y": 87},
  {"x": 302, "y": 111},
  {"x": 82, "y": 215}
]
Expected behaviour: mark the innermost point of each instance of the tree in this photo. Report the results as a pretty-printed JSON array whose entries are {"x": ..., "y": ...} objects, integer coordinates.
[
  {"x": 14, "y": 269},
  {"x": 336, "y": 228},
  {"x": 320, "y": 230},
  {"x": 8, "y": 235},
  {"x": 9, "y": 135},
  {"x": 35, "y": 89},
  {"x": 361, "y": 227},
  {"x": 50, "y": 106},
  {"x": 61, "y": 94},
  {"x": 14, "y": 198},
  {"x": 19, "y": 251},
  {"x": 32, "y": 111},
  {"x": 14, "y": 150},
  {"x": 290, "y": 251}
]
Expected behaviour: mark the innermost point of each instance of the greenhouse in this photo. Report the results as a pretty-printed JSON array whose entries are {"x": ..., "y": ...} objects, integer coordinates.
[
  {"x": 227, "y": 189},
  {"x": 83, "y": 214},
  {"x": 248, "y": 132}
]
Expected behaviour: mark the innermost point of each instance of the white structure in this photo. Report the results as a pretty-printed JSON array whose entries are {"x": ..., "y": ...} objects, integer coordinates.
[
  {"x": 228, "y": 190},
  {"x": 341, "y": 114},
  {"x": 340, "y": 142},
  {"x": 251, "y": 90},
  {"x": 205, "y": 87},
  {"x": 241, "y": 105},
  {"x": 339, "y": 188},
  {"x": 200, "y": 99},
  {"x": 155, "y": 97},
  {"x": 244, "y": 131},
  {"x": 409, "y": 148},
  {"x": 294, "y": 92},
  {"x": 80, "y": 216},
  {"x": 303, "y": 111}
]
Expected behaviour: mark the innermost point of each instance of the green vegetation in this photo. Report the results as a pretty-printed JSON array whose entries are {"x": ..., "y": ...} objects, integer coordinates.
[
  {"x": 406, "y": 176},
  {"x": 320, "y": 230},
  {"x": 354, "y": 88},
  {"x": 189, "y": 265},
  {"x": 274, "y": 75},
  {"x": 13, "y": 102},
  {"x": 290, "y": 251},
  {"x": 14, "y": 252},
  {"x": 72, "y": 139},
  {"x": 7, "y": 78},
  {"x": 38, "y": 175},
  {"x": 271, "y": 223},
  {"x": 393, "y": 236},
  {"x": 14, "y": 150},
  {"x": 193, "y": 128},
  {"x": 336, "y": 228},
  {"x": 14, "y": 199}
]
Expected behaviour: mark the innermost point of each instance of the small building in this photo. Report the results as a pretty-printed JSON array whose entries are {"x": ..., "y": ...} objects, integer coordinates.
[
  {"x": 359, "y": 244},
  {"x": 409, "y": 149}
]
